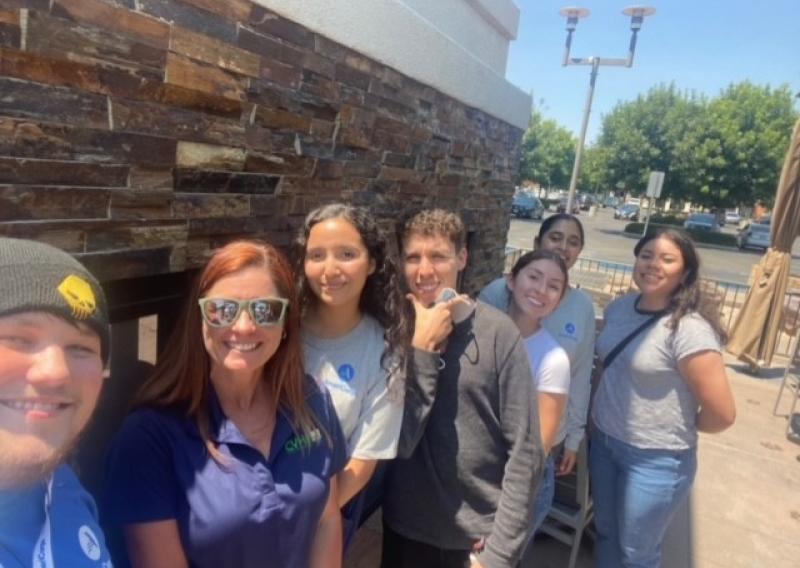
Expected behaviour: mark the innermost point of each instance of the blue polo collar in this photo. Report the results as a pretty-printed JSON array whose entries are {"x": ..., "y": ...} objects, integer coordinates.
[{"x": 224, "y": 431}]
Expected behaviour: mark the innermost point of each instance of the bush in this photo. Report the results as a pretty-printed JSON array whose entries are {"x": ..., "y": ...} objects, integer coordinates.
[{"x": 705, "y": 237}]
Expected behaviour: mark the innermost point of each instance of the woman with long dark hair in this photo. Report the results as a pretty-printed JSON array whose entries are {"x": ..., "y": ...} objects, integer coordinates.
[
  {"x": 571, "y": 324},
  {"x": 355, "y": 334},
  {"x": 663, "y": 381},
  {"x": 232, "y": 453},
  {"x": 537, "y": 283}
]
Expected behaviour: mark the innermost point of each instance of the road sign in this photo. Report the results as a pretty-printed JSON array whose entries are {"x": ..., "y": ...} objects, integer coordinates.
[
  {"x": 655, "y": 184},
  {"x": 653, "y": 192}
]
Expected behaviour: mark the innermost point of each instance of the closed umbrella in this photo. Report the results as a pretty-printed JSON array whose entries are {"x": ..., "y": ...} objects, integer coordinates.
[{"x": 755, "y": 331}]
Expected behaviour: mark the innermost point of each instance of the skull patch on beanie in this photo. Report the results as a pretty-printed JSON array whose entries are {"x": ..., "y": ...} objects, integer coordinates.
[{"x": 79, "y": 295}]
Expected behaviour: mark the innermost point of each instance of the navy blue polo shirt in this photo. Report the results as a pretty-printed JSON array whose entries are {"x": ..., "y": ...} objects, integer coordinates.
[
  {"x": 251, "y": 511},
  {"x": 74, "y": 538}
]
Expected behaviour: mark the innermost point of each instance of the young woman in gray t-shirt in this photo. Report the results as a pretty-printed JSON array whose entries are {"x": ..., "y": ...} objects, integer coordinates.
[
  {"x": 666, "y": 384},
  {"x": 355, "y": 332}
]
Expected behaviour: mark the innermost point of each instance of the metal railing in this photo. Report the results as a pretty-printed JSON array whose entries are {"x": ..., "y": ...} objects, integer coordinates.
[{"x": 606, "y": 280}]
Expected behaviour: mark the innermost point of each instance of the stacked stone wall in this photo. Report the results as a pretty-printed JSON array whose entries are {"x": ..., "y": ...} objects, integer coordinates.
[{"x": 141, "y": 134}]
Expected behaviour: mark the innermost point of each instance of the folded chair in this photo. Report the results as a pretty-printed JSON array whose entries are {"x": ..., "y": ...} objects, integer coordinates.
[{"x": 572, "y": 507}]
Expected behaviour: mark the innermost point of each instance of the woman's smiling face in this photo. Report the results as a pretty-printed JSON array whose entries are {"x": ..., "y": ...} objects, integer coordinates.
[
  {"x": 337, "y": 263},
  {"x": 242, "y": 347},
  {"x": 659, "y": 268},
  {"x": 537, "y": 288},
  {"x": 563, "y": 238}
]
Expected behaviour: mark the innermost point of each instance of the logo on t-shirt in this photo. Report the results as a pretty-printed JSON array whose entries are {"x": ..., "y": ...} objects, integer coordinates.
[
  {"x": 570, "y": 330},
  {"x": 89, "y": 543},
  {"x": 346, "y": 372},
  {"x": 304, "y": 442}
]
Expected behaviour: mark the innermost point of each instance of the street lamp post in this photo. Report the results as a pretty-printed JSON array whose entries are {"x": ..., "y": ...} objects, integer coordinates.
[{"x": 637, "y": 15}]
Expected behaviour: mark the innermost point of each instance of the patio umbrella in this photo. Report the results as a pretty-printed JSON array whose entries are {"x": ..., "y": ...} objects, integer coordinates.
[{"x": 755, "y": 331}]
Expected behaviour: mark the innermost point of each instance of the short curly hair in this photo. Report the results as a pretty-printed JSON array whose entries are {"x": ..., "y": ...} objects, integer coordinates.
[{"x": 436, "y": 223}]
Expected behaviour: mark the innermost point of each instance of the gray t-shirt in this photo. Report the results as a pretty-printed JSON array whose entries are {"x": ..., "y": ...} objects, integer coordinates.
[
  {"x": 642, "y": 399},
  {"x": 350, "y": 368}
]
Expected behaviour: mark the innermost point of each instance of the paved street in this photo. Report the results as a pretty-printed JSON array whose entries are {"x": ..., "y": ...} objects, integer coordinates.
[{"x": 604, "y": 241}]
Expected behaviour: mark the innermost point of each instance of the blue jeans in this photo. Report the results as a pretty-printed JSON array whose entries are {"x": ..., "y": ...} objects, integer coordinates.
[
  {"x": 541, "y": 506},
  {"x": 636, "y": 492},
  {"x": 544, "y": 495}
]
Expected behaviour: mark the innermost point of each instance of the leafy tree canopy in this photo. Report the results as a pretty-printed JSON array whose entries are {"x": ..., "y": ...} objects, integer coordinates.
[
  {"x": 718, "y": 152},
  {"x": 548, "y": 150}
]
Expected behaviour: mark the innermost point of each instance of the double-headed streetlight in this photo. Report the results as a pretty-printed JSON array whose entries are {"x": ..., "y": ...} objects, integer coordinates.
[{"x": 637, "y": 15}]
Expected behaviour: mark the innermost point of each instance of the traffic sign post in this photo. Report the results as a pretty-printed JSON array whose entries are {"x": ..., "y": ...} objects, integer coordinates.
[{"x": 654, "y": 186}]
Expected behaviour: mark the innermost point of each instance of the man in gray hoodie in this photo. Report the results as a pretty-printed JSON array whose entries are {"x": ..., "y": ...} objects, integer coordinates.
[{"x": 461, "y": 492}]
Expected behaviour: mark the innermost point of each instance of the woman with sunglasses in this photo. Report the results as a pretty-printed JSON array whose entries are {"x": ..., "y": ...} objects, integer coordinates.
[
  {"x": 354, "y": 336},
  {"x": 232, "y": 453}
]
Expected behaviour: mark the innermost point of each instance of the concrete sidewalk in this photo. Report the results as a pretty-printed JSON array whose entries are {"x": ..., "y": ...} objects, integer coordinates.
[{"x": 744, "y": 511}]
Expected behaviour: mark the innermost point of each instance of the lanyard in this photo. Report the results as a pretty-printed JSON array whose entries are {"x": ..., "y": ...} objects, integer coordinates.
[{"x": 43, "y": 551}]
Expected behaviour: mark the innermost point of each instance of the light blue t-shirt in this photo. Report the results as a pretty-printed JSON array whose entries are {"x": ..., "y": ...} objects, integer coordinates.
[
  {"x": 74, "y": 540},
  {"x": 350, "y": 368}
]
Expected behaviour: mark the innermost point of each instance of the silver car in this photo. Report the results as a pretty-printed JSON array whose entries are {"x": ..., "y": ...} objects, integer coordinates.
[
  {"x": 753, "y": 235},
  {"x": 527, "y": 205}
]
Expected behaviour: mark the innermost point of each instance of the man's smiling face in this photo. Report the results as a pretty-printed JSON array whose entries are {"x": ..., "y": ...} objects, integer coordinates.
[
  {"x": 431, "y": 264},
  {"x": 51, "y": 372}
]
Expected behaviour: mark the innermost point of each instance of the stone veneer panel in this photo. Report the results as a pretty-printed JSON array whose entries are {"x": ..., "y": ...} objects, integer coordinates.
[{"x": 152, "y": 131}]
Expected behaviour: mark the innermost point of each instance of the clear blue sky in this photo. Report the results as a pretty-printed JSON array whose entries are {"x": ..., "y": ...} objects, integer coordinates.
[{"x": 700, "y": 45}]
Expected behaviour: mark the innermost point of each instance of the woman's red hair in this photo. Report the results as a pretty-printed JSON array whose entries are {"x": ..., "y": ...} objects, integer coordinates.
[{"x": 180, "y": 380}]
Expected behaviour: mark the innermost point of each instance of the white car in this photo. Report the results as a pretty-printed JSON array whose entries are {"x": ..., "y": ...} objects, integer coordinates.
[{"x": 732, "y": 217}]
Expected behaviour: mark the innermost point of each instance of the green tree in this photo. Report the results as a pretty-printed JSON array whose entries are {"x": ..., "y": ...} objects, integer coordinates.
[
  {"x": 548, "y": 151},
  {"x": 592, "y": 177},
  {"x": 732, "y": 154},
  {"x": 716, "y": 152},
  {"x": 640, "y": 136}
]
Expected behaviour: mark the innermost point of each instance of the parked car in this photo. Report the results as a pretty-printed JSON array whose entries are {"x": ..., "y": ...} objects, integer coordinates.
[
  {"x": 528, "y": 206},
  {"x": 610, "y": 202},
  {"x": 585, "y": 201},
  {"x": 628, "y": 212},
  {"x": 562, "y": 206},
  {"x": 753, "y": 235},
  {"x": 702, "y": 222},
  {"x": 731, "y": 217}
]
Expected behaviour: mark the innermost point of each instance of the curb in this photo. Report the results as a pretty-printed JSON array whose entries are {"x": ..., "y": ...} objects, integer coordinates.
[{"x": 697, "y": 244}]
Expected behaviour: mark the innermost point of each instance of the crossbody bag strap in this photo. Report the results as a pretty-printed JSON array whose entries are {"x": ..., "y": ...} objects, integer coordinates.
[{"x": 630, "y": 337}]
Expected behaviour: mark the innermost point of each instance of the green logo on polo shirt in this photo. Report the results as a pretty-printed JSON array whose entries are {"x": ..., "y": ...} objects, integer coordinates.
[{"x": 304, "y": 442}]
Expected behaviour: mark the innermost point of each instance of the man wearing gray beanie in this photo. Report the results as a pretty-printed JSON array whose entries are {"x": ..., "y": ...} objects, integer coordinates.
[{"x": 54, "y": 341}]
